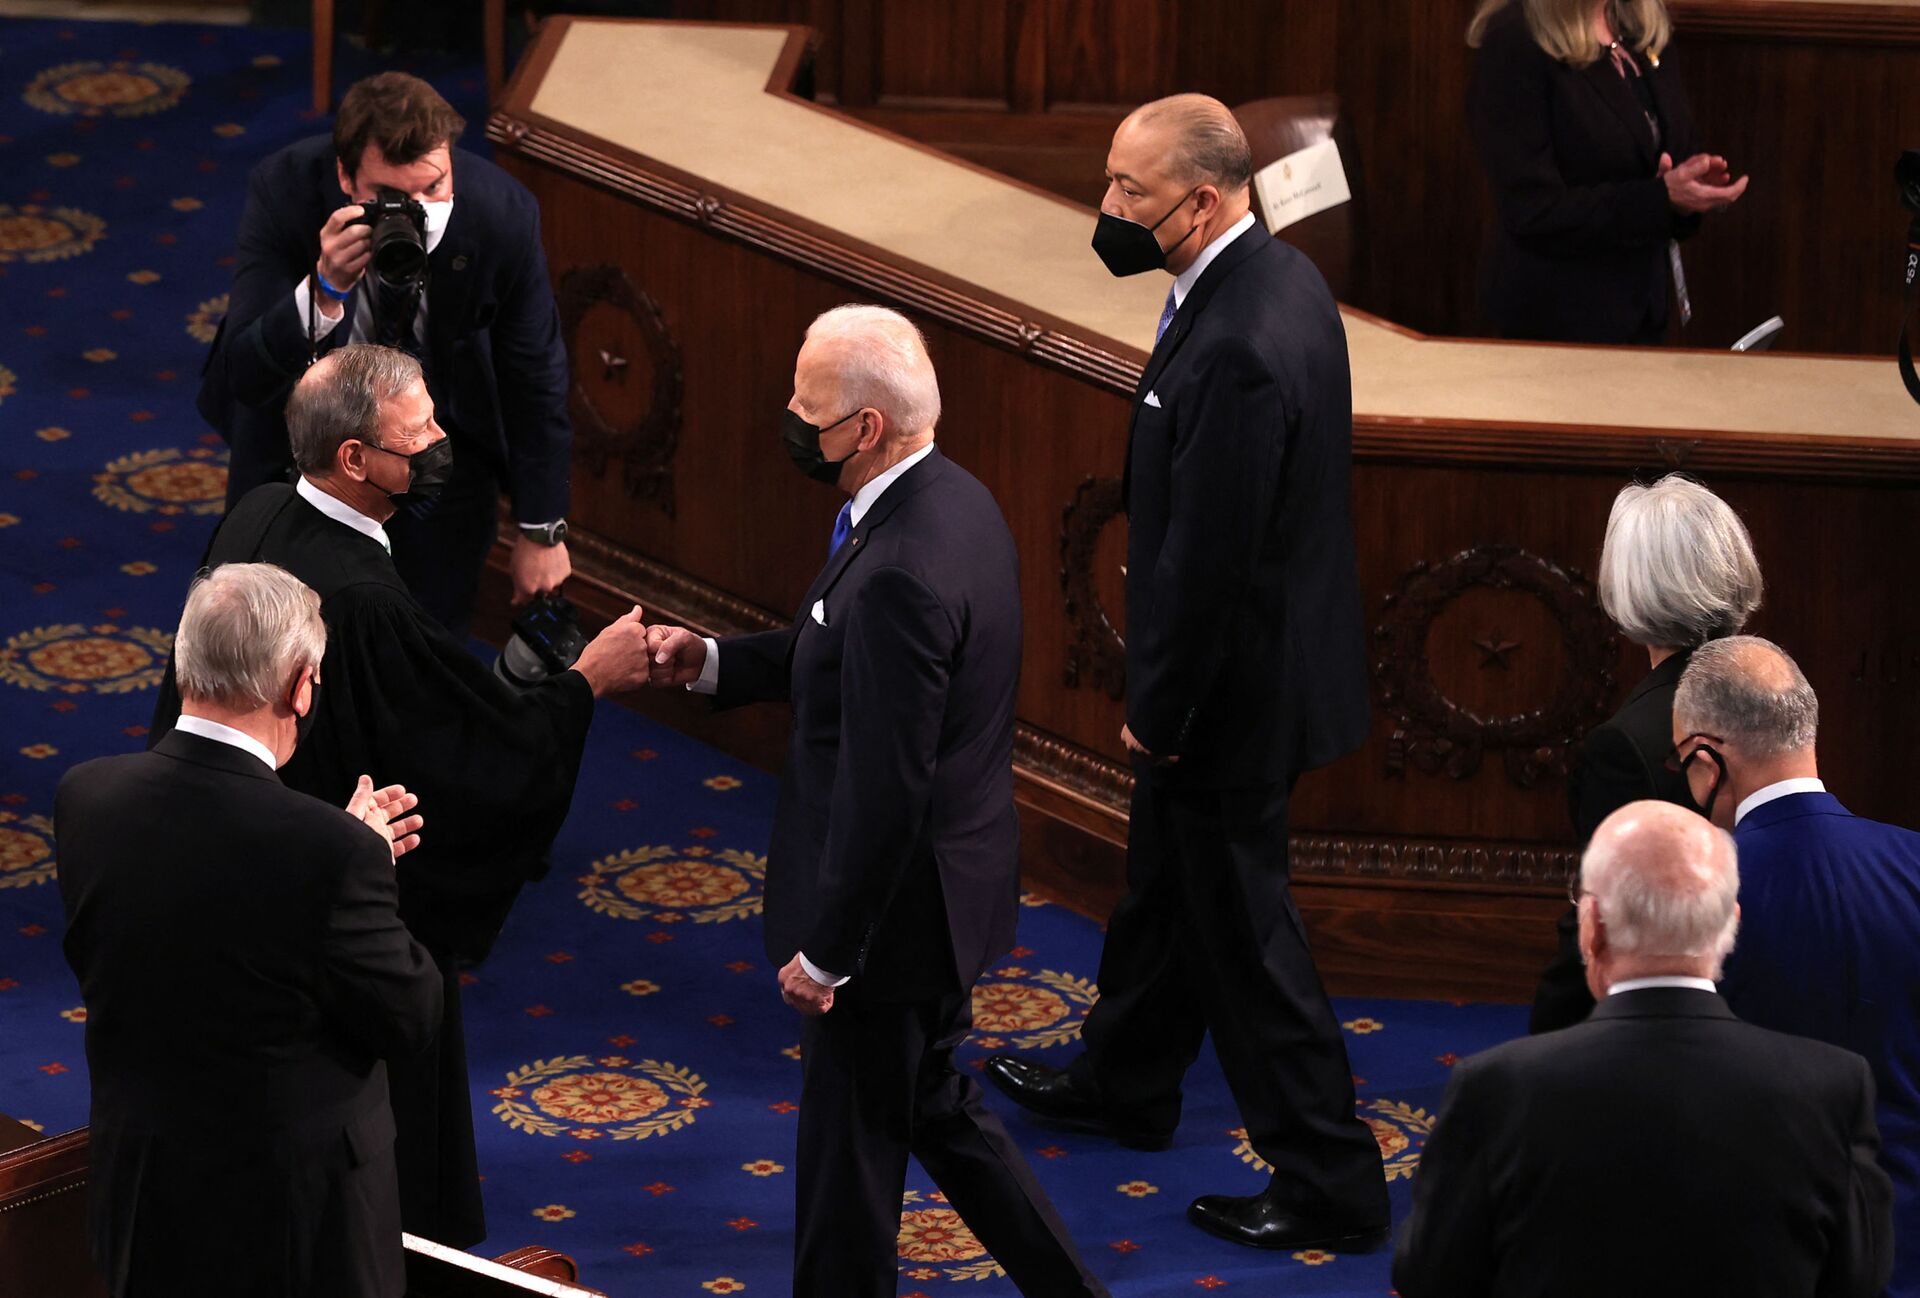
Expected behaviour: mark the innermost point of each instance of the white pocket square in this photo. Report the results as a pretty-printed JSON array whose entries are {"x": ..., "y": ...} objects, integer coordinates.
[
  {"x": 1153, "y": 399},
  {"x": 820, "y": 611}
]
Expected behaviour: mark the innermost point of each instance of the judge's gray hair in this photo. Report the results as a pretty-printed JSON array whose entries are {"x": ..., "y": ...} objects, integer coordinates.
[
  {"x": 1666, "y": 883},
  {"x": 881, "y": 361},
  {"x": 340, "y": 398},
  {"x": 1750, "y": 693},
  {"x": 1677, "y": 567},
  {"x": 248, "y": 630}
]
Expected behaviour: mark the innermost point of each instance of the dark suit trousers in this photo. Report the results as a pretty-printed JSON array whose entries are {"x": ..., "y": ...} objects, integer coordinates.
[
  {"x": 879, "y": 1083},
  {"x": 1562, "y": 999},
  {"x": 1208, "y": 940},
  {"x": 433, "y": 1116}
]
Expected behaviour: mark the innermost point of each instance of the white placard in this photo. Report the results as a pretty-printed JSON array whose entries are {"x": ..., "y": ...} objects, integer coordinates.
[{"x": 1300, "y": 184}]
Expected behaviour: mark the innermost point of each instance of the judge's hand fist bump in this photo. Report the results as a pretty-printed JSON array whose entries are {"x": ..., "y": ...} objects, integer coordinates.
[
  {"x": 385, "y": 812},
  {"x": 616, "y": 661},
  {"x": 677, "y": 654}
]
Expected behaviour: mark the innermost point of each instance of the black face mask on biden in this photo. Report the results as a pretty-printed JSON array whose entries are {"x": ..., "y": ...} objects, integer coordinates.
[{"x": 802, "y": 441}]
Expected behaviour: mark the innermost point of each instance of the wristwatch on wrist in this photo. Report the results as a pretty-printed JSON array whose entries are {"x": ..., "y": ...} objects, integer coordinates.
[{"x": 545, "y": 533}]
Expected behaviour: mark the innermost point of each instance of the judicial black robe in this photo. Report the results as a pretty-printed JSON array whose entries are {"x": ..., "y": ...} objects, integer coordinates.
[{"x": 403, "y": 701}]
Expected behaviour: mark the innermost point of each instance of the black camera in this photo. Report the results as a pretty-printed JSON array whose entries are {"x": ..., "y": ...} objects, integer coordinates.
[
  {"x": 546, "y": 640},
  {"x": 399, "y": 236}
]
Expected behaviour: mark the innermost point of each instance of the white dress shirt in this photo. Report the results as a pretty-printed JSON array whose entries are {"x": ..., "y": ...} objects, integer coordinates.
[
  {"x": 709, "y": 681},
  {"x": 221, "y": 734},
  {"x": 1661, "y": 980},
  {"x": 363, "y": 300},
  {"x": 1183, "y": 282},
  {"x": 341, "y": 512},
  {"x": 1778, "y": 789}
]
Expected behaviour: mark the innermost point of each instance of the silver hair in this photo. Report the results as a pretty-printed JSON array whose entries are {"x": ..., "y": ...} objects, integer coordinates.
[
  {"x": 1677, "y": 567},
  {"x": 247, "y": 631},
  {"x": 882, "y": 363},
  {"x": 1731, "y": 691},
  {"x": 341, "y": 397},
  {"x": 1210, "y": 148},
  {"x": 1685, "y": 909}
]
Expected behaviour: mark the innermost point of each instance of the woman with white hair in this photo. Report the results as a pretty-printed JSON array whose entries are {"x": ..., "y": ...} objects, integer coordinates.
[{"x": 1676, "y": 570}]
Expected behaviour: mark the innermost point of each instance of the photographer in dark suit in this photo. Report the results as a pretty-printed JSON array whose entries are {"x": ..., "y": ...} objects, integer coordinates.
[
  {"x": 245, "y": 972},
  {"x": 1245, "y": 667},
  {"x": 496, "y": 763},
  {"x": 1663, "y": 1148},
  {"x": 482, "y": 323},
  {"x": 893, "y": 873}
]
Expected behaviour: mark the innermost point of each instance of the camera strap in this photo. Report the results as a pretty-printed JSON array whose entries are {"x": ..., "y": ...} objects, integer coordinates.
[{"x": 1910, "y": 272}]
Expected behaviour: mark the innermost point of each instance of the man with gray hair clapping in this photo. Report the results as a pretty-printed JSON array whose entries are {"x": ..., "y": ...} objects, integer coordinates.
[
  {"x": 1831, "y": 900},
  {"x": 246, "y": 975},
  {"x": 1663, "y": 1147}
]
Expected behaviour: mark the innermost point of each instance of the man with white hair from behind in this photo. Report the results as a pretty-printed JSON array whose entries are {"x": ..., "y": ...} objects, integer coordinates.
[{"x": 1663, "y": 1147}]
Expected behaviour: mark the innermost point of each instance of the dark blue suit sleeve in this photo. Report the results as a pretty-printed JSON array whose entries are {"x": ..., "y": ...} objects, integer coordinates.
[
  {"x": 1225, "y": 478},
  {"x": 378, "y": 986},
  {"x": 894, "y": 673},
  {"x": 1861, "y": 1259},
  {"x": 754, "y": 668},
  {"x": 530, "y": 358},
  {"x": 264, "y": 344}
]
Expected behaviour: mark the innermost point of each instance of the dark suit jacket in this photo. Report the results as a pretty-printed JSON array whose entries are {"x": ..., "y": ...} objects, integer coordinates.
[
  {"x": 1244, "y": 650},
  {"x": 1578, "y": 252},
  {"x": 1829, "y": 913},
  {"x": 497, "y": 367},
  {"x": 895, "y": 844},
  {"x": 1663, "y": 1147},
  {"x": 244, "y": 971}
]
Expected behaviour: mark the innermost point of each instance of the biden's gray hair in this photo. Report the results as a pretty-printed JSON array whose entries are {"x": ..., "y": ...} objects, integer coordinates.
[
  {"x": 1732, "y": 691},
  {"x": 1677, "y": 567},
  {"x": 881, "y": 362},
  {"x": 247, "y": 630},
  {"x": 1683, "y": 909},
  {"x": 340, "y": 398}
]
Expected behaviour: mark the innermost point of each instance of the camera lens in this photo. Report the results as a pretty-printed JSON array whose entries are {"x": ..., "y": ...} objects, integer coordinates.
[{"x": 399, "y": 253}]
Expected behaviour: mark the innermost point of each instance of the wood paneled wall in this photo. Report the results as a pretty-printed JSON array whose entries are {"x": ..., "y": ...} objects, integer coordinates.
[{"x": 1816, "y": 100}]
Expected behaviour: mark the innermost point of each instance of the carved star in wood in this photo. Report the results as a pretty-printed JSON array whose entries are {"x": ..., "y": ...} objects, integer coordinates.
[{"x": 1494, "y": 649}]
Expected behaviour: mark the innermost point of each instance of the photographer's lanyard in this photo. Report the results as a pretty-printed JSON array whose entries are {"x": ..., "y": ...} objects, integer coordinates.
[{"x": 1912, "y": 268}]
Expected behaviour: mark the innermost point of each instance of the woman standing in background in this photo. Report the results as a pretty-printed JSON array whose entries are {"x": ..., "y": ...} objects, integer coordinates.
[{"x": 1579, "y": 116}]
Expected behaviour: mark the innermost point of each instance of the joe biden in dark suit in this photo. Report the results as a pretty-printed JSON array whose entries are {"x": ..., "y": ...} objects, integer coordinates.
[{"x": 893, "y": 874}]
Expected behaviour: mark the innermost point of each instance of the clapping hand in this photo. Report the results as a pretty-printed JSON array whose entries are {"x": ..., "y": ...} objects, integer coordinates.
[
  {"x": 798, "y": 989},
  {"x": 384, "y": 811},
  {"x": 1703, "y": 183},
  {"x": 677, "y": 654}
]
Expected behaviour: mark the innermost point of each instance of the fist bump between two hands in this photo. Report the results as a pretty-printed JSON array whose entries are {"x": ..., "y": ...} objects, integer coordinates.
[{"x": 629, "y": 654}]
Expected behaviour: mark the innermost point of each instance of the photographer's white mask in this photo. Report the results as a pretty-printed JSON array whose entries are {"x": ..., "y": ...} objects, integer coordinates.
[{"x": 438, "y": 214}]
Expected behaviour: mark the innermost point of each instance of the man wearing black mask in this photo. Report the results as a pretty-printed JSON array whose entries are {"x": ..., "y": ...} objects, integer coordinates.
[
  {"x": 893, "y": 872},
  {"x": 1245, "y": 667},
  {"x": 405, "y": 698}
]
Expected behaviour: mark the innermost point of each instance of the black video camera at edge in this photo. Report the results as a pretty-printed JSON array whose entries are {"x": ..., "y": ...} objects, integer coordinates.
[{"x": 399, "y": 230}]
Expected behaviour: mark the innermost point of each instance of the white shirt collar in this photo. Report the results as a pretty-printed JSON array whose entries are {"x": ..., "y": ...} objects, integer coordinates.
[
  {"x": 1661, "y": 980},
  {"x": 863, "y": 499},
  {"x": 1183, "y": 282},
  {"x": 1778, "y": 789},
  {"x": 341, "y": 512},
  {"x": 220, "y": 734}
]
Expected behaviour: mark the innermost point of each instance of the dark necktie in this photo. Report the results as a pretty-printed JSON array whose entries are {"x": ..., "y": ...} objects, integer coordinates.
[{"x": 841, "y": 526}]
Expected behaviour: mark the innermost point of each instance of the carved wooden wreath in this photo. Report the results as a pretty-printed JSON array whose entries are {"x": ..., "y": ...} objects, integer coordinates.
[{"x": 645, "y": 448}]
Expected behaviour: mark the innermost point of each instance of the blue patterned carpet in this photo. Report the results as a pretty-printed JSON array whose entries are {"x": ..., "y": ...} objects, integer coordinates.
[{"x": 634, "y": 1072}]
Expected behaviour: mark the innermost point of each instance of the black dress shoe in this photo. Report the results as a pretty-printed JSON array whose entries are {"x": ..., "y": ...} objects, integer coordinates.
[
  {"x": 1050, "y": 1093},
  {"x": 1258, "y": 1221}
]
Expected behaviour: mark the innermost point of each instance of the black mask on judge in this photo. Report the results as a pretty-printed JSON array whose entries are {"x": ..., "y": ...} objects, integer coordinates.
[
  {"x": 428, "y": 472},
  {"x": 802, "y": 441},
  {"x": 1128, "y": 247}
]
